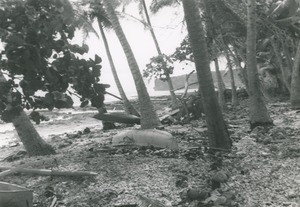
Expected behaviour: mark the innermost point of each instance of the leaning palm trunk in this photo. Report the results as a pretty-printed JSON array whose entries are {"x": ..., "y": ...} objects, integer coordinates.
[
  {"x": 234, "y": 99},
  {"x": 220, "y": 85},
  {"x": 127, "y": 105},
  {"x": 259, "y": 115},
  {"x": 174, "y": 100},
  {"x": 149, "y": 118},
  {"x": 295, "y": 89},
  {"x": 32, "y": 141},
  {"x": 218, "y": 134}
]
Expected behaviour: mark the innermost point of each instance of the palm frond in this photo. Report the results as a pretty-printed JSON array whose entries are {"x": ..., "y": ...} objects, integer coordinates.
[
  {"x": 97, "y": 11},
  {"x": 129, "y": 16},
  {"x": 156, "y": 5},
  {"x": 147, "y": 202},
  {"x": 84, "y": 23}
]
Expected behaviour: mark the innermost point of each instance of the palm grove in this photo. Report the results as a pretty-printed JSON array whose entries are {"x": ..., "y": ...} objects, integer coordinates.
[{"x": 258, "y": 38}]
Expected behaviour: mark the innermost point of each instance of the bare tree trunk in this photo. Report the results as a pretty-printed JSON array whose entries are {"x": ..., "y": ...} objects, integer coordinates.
[
  {"x": 234, "y": 99},
  {"x": 174, "y": 100},
  {"x": 221, "y": 86},
  {"x": 32, "y": 141},
  {"x": 127, "y": 105},
  {"x": 242, "y": 71},
  {"x": 285, "y": 74},
  {"x": 259, "y": 115},
  {"x": 218, "y": 134},
  {"x": 287, "y": 55},
  {"x": 295, "y": 89},
  {"x": 30, "y": 138}
]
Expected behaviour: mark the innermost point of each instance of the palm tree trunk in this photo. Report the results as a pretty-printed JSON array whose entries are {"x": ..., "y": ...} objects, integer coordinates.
[
  {"x": 174, "y": 99},
  {"x": 149, "y": 118},
  {"x": 295, "y": 89},
  {"x": 234, "y": 99},
  {"x": 259, "y": 115},
  {"x": 285, "y": 74},
  {"x": 287, "y": 55},
  {"x": 218, "y": 134},
  {"x": 32, "y": 141},
  {"x": 220, "y": 85},
  {"x": 242, "y": 71},
  {"x": 127, "y": 105}
]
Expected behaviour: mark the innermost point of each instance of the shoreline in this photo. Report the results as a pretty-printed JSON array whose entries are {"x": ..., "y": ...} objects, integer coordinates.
[{"x": 71, "y": 120}]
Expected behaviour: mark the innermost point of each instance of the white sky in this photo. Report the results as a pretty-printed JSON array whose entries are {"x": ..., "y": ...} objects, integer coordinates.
[{"x": 170, "y": 31}]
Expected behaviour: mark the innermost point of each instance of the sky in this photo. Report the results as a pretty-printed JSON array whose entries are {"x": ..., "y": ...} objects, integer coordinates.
[{"x": 170, "y": 29}]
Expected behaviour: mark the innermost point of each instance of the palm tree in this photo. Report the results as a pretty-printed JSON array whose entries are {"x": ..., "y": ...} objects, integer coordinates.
[
  {"x": 103, "y": 22},
  {"x": 84, "y": 23},
  {"x": 218, "y": 134},
  {"x": 295, "y": 86},
  {"x": 259, "y": 115},
  {"x": 168, "y": 78},
  {"x": 149, "y": 118},
  {"x": 127, "y": 105}
]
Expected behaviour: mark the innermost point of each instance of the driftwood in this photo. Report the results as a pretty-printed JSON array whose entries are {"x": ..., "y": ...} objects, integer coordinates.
[
  {"x": 171, "y": 113},
  {"x": 183, "y": 87},
  {"x": 9, "y": 171},
  {"x": 118, "y": 117},
  {"x": 145, "y": 202},
  {"x": 48, "y": 172}
]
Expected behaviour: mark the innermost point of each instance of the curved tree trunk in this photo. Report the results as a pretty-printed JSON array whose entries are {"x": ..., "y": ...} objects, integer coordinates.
[
  {"x": 259, "y": 115},
  {"x": 218, "y": 134},
  {"x": 174, "y": 100},
  {"x": 127, "y": 105},
  {"x": 221, "y": 86},
  {"x": 30, "y": 138},
  {"x": 149, "y": 118},
  {"x": 295, "y": 89}
]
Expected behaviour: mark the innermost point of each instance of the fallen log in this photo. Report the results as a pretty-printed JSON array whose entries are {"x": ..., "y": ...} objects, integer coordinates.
[
  {"x": 171, "y": 113},
  {"x": 10, "y": 171},
  {"x": 118, "y": 117},
  {"x": 50, "y": 172}
]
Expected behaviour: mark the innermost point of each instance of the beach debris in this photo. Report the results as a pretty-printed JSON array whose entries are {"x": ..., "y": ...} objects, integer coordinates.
[
  {"x": 146, "y": 202},
  {"x": 118, "y": 117},
  {"x": 47, "y": 172},
  {"x": 145, "y": 137}
]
